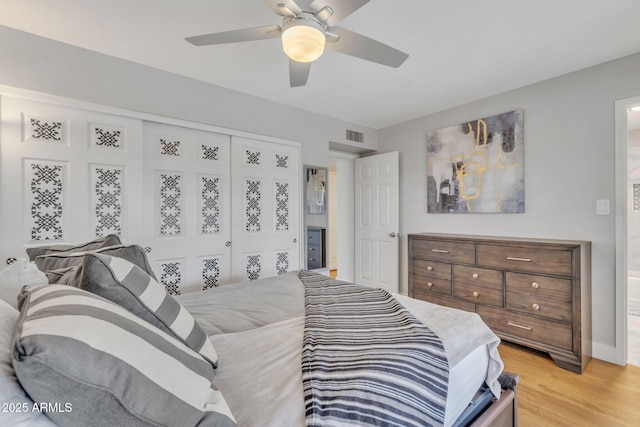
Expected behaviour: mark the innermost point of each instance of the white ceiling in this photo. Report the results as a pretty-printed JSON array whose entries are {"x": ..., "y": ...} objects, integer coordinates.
[{"x": 459, "y": 50}]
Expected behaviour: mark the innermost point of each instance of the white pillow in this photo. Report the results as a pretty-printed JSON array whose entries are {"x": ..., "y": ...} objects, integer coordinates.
[
  {"x": 19, "y": 410},
  {"x": 13, "y": 278}
]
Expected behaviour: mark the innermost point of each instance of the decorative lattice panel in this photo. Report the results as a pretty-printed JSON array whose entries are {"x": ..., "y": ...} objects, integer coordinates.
[
  {"x": 253, "y": 206},
  {"x": 253, "y": 157},
  {"x": 107, "y": 183},
  {"x": 46, "y": 131},
  {"x": 209, "y": 152},
  {"x": 281, "y": 161},
  {"x": 44, "y": 193},
  {"x": 107, "y": 137},
  {"x": 254, "y": 266},
  {"x": 169, "y": 147},
  {"x": 171, "y": 274},
  {"x": 281, "y": 206},
  {"x": 210, "y": 204},
  {"x": 281, "y": 262},
  {"x": 210, "y": 272},
  {"x": 170, "y": 195}
]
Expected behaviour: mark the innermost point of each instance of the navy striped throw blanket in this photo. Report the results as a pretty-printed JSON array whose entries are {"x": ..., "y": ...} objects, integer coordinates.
[{"x": 366, "y": 360}]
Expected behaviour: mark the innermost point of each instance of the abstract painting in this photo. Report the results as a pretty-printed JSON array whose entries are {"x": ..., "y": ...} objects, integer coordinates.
[
  {"x": 316, "y": 190},
  {"x": 477, "y": 166}
]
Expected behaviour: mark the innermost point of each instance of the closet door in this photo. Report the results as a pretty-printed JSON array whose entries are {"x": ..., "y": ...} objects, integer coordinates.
[
  {"x": 266, "y": 209},
  {"x": 67, "y": 175},
  {"x": 187, "y": 229}
]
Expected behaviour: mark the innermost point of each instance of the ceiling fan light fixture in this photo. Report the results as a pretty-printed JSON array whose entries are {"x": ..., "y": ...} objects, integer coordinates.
[{"x": 303, "y": 39}]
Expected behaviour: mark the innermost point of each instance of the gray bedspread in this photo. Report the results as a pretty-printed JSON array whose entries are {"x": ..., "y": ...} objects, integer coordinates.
[
  {"x": 257, "y": 327},
  {"x": 248, "y": 305}
]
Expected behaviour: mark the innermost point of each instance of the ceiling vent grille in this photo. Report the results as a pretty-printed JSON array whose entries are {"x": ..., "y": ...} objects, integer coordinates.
[{"x": 354, "y": 136}]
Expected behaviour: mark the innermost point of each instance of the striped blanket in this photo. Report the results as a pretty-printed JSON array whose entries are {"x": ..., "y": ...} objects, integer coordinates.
[{"x": 368, "y": 361}]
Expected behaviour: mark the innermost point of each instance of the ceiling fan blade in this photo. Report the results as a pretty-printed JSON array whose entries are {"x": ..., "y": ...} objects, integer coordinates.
[
  {"x": 280, "y": 7},
  {"x": 235, "y": 36},
  {"x": 298, "y": 73},
  {"x": 341, "y": 9},
  {"x": 362, "y": 47}
]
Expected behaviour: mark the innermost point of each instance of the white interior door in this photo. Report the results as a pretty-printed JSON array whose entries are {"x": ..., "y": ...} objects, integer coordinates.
[
  {"x": 187, "y": 206},
  {"x": 67, "y": 175},
  {"x": 377, "y": 220},
  {"x": 266, "y": 208}
]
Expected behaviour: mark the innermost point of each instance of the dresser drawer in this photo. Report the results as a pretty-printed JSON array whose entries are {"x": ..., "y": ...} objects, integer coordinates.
[
  {"x": 313, "y": 263},
  {"x": 477, "y": 276},
  {"x": 534, "y": 329},
  {"x": 314, "y": 257},
  {"x": 444, "y": 300},
  {"x": 432, "y": 285},
  {"x": 533, "y": 260},
  {"x": 549, "y": 297},
  {"x": 480, "y": 294},
  {"x": 314, "y": 251},
  {"x": 431, "y": 269},
  {"x": 314, "y": 236},
  {"x": 444, "y": 251}
]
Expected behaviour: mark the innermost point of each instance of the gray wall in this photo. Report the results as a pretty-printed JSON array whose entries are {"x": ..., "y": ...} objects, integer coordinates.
[
  {"x": 569, "y": 164},
  {"x": 42, "y": 65}
]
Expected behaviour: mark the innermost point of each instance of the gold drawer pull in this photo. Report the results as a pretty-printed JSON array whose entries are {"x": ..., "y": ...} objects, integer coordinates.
[
  {"x": 476, "y": 294},
  {"x": 429, "y": 268},
  {"x": 512, "y": 258},
  {"x": 429, "y": 284},
  {"x": 535, "y": 285},
  {"x": 515, "y": 325},
  {"x": 536, "y": 307},
  {"x": 440, "y": 251},
  {"x": 475, "y": 275}
]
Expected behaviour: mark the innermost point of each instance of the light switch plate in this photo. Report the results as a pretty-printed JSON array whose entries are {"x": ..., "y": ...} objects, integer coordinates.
[{"x": 603, "y": 207}]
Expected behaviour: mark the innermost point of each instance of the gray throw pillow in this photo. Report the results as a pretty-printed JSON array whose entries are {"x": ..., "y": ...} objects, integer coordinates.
[
  {"x": 66, "y": 268},
  {"x": 94, "y": 363},
  {"x": 127, "y": 285},
  {"x": 100, "y": 242}
]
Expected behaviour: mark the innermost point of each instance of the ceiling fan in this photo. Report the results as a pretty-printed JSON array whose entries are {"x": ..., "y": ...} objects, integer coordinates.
[{"x": 308, "y": 27}]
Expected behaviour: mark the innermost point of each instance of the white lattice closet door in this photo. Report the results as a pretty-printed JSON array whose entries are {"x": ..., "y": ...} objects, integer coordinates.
[
  {"x": 266, "y": 208},
  {"x": 187, "y": 229},
  {"x": 67, "y": 175}
]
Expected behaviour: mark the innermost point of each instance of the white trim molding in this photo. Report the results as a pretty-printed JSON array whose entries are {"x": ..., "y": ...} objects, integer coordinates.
[{"x": 618, "y": 353}]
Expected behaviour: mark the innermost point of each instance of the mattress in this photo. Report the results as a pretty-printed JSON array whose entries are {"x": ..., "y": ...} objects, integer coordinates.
[{"x": 256, "y": 328}]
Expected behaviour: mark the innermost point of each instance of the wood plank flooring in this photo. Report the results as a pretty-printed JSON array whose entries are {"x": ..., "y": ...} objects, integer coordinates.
[{"x": 604, "y": 395}]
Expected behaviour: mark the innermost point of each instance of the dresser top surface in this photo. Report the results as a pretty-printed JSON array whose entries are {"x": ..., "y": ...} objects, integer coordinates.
[{"x": 496, "y": 239}]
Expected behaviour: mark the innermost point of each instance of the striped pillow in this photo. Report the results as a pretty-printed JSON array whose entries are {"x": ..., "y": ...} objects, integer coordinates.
[
  {"x": 127, "y": 285},
  {"x": 94, "y": 362}
]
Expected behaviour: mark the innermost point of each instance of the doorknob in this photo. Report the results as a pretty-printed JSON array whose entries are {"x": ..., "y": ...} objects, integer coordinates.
[{"x": 392, "y": 234}]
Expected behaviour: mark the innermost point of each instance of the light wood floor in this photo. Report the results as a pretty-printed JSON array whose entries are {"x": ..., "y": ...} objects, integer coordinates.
[{"x": 604, "y": 395}]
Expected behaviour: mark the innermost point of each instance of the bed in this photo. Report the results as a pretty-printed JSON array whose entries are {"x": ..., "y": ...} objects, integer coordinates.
[{"x": 240, "y": 354}]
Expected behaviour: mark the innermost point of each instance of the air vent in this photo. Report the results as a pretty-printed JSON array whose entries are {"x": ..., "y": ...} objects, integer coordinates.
[{"x": 354, "y": 136}]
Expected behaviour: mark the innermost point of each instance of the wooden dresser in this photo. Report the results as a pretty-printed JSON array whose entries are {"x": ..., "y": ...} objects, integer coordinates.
[{"x": 534, "y": 292}]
